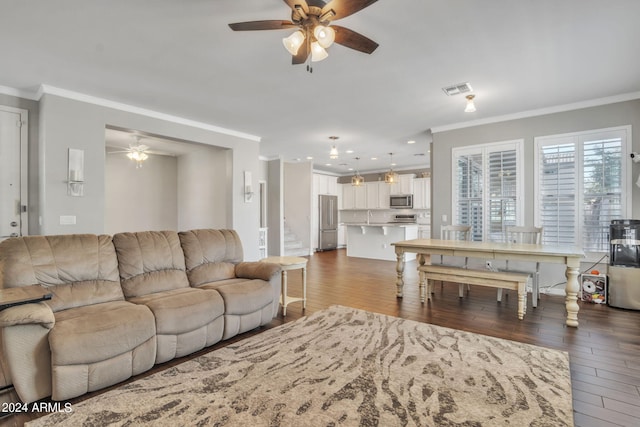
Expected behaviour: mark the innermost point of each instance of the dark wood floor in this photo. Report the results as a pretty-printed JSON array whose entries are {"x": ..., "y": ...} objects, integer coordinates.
[{"x": 604, "y": 351}]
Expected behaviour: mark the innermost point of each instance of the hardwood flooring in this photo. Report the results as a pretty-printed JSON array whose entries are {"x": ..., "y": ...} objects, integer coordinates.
[{"x": 604, "y": 351}]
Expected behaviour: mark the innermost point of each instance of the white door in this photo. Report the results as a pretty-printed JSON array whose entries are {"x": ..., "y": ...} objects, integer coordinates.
[{"x": 13, "y": 172}]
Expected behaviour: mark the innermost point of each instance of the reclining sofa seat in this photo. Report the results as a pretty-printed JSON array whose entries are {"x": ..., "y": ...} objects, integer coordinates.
[
  {"x": 50, "y": 347},
  {"x": 152, "y": 274},
  {"x": 251, "y": 290}
]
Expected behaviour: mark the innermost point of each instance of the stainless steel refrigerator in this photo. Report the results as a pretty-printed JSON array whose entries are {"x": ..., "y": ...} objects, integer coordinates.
[{"x": 328, "y": 223}]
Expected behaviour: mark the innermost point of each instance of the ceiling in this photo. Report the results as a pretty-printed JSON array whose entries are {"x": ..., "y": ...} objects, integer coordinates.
[{"x": 181, "y": 58}]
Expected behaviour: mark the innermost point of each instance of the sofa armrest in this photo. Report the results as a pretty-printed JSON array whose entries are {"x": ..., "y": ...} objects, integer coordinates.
[
  {"x": 28, "y": 314},
  {"x": 257, "y": 270},
  {"x": 25, "y": 348}
]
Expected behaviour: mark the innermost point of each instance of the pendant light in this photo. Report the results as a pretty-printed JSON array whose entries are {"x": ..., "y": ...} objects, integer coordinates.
[
  {"x": 357, "y": 180},
  {"x": 391, "y": 177},
  {"x": 333, "y": 154}
]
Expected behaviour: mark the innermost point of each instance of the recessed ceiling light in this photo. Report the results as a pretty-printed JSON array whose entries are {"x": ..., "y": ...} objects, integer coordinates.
[
  {"x": 350, "y": 169},
  {"x": 374, "y": 158},
  {"x": 309, "y": 158},
  {"x": 349, "y": 151},
  {"x": 327, "y": 164},
  {"x": 411, "y": 141}
]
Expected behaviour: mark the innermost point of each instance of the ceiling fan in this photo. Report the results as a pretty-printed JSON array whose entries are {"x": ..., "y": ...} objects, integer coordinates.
[
  {"x": 314, "y": 33},
  {"x": 136, "y": 152}
]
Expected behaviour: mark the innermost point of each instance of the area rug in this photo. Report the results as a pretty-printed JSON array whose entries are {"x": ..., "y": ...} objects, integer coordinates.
[{"x": 346, "y": 367}]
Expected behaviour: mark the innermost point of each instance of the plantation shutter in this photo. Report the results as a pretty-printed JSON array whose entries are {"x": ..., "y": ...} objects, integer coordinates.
[
  {"x": 487, "y": 180},
  {"x": 581, "y": 186}
]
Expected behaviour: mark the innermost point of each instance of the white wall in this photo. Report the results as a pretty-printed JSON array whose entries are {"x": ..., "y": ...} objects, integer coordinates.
[
  {"x": 139, "y": 199},
  {"x": 298, "y": 189},
  {"x": 275, "y": 207},
  {"x": 70, "y": 123},
  {"x": 202, "y": 189}
]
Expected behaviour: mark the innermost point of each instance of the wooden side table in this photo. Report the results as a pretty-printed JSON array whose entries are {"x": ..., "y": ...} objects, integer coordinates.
[
  {"x": 288, "y": 263},
  {"x": 23, "y": 295}
]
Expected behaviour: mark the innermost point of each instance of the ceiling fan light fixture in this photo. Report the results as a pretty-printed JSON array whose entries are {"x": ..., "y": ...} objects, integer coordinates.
[
  {"x": 317, "y": 52},
  {"x": 333, "y": 154},
  {"x": 138, "y": 156},
  {"x": 293, "y": 42},
  {"x": 471, "y": 107},
  {"x": 324, "y": 35}
]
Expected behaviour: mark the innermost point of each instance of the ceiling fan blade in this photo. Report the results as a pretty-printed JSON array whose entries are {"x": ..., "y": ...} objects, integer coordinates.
[
  {"x": 302, "y": 54},
  {"x": 262, "y": 25},
  {"x": 344, "y": 8},
  {"x": 353, "y": 40},
  {"x": 301, "y": 3}
]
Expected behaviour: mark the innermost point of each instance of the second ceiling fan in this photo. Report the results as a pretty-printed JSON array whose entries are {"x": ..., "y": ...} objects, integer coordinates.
[{"x": 313, "y": 19}]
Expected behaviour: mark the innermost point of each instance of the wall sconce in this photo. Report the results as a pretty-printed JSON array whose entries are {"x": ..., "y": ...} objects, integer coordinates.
[
  {"x": 248, "y": 192},
  {"x": 75, "y": 173}
]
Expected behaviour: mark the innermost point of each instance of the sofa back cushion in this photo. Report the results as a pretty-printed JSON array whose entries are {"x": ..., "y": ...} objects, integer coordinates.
[
  {"x": 210, "y": 255},
  {"x": 149, "y": 262},
  {"x": 79, "y": 269}
]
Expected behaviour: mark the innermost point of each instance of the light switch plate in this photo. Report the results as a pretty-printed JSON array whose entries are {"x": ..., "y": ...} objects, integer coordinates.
[{"x": 67, "y": 220}]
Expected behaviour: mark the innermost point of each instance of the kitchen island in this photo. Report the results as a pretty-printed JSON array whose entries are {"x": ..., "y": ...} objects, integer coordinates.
[{"x": 373, "y": 240}]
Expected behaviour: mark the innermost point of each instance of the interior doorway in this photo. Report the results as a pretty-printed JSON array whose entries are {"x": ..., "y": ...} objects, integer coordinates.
[{"x": 13, "y": 172}]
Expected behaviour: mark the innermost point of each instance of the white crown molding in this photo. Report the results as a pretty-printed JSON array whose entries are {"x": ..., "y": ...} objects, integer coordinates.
[
  {"x": 540, "y": 112},
  {"x": 19, "y": 93},
  {"x": 64, "y": 93}
]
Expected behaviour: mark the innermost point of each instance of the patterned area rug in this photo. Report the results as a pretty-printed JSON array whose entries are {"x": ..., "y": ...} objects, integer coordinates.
[{"x": 347, "y": 367}]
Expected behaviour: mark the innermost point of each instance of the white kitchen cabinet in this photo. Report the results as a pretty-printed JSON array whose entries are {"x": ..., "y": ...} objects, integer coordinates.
[
  {"x": 404, "y": 184},
  {"x": 360, "y": 195},
  {"x": 384, "y": 190},
  {"x": 348, "y": 196},
  {"x": 373, "y": 200},
  {"x": 325, "y": 184},
  {"x": 422, "y": 193},
  {"x": 353, "y": 197}
]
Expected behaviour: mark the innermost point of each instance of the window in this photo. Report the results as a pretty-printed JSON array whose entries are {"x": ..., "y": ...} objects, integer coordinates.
[
  {"x": 582, "y": 183},
  {"x": 486, "y": 181}
]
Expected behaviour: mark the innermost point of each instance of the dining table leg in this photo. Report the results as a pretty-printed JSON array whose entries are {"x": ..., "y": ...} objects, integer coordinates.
[
  {"x": 425, "y": 291},
  {"x": 573, "y": 287},
  {"x": 399, "y": 272}
]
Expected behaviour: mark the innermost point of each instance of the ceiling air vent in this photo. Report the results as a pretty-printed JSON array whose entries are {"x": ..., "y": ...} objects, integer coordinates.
[{"x": 457, "y": 89}]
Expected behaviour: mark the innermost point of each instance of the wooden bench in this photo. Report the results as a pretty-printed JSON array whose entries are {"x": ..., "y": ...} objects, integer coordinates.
[{"x": 493, "y": 279}]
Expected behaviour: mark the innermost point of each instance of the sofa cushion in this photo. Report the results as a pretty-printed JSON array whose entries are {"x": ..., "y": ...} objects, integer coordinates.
[
  {"x": 98, "y": 332},
  {"x": 210, "y": 255},
  {"x": 182, "y": 310},
  {"x": 149, "y": 262},
  {"x": 187, "y": 320},
  {"x": 244, "y": 296},
  {"x": 52, "y": 261}
]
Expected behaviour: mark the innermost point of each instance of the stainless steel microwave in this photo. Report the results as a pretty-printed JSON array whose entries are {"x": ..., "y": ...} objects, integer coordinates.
[{"x": 401, "y": 201}]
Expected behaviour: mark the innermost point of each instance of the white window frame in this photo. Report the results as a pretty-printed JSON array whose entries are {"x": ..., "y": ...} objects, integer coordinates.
[
  {"x": 578, "y": 138},
  {"x": 485, "y": 149}
]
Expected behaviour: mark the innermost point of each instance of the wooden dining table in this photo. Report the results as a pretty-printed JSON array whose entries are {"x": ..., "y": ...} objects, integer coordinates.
[{"x": 570, "y": 256}]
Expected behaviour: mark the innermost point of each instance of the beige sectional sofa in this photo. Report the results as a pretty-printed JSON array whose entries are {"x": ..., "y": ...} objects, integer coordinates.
[{"x": 123, "y": 303}]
